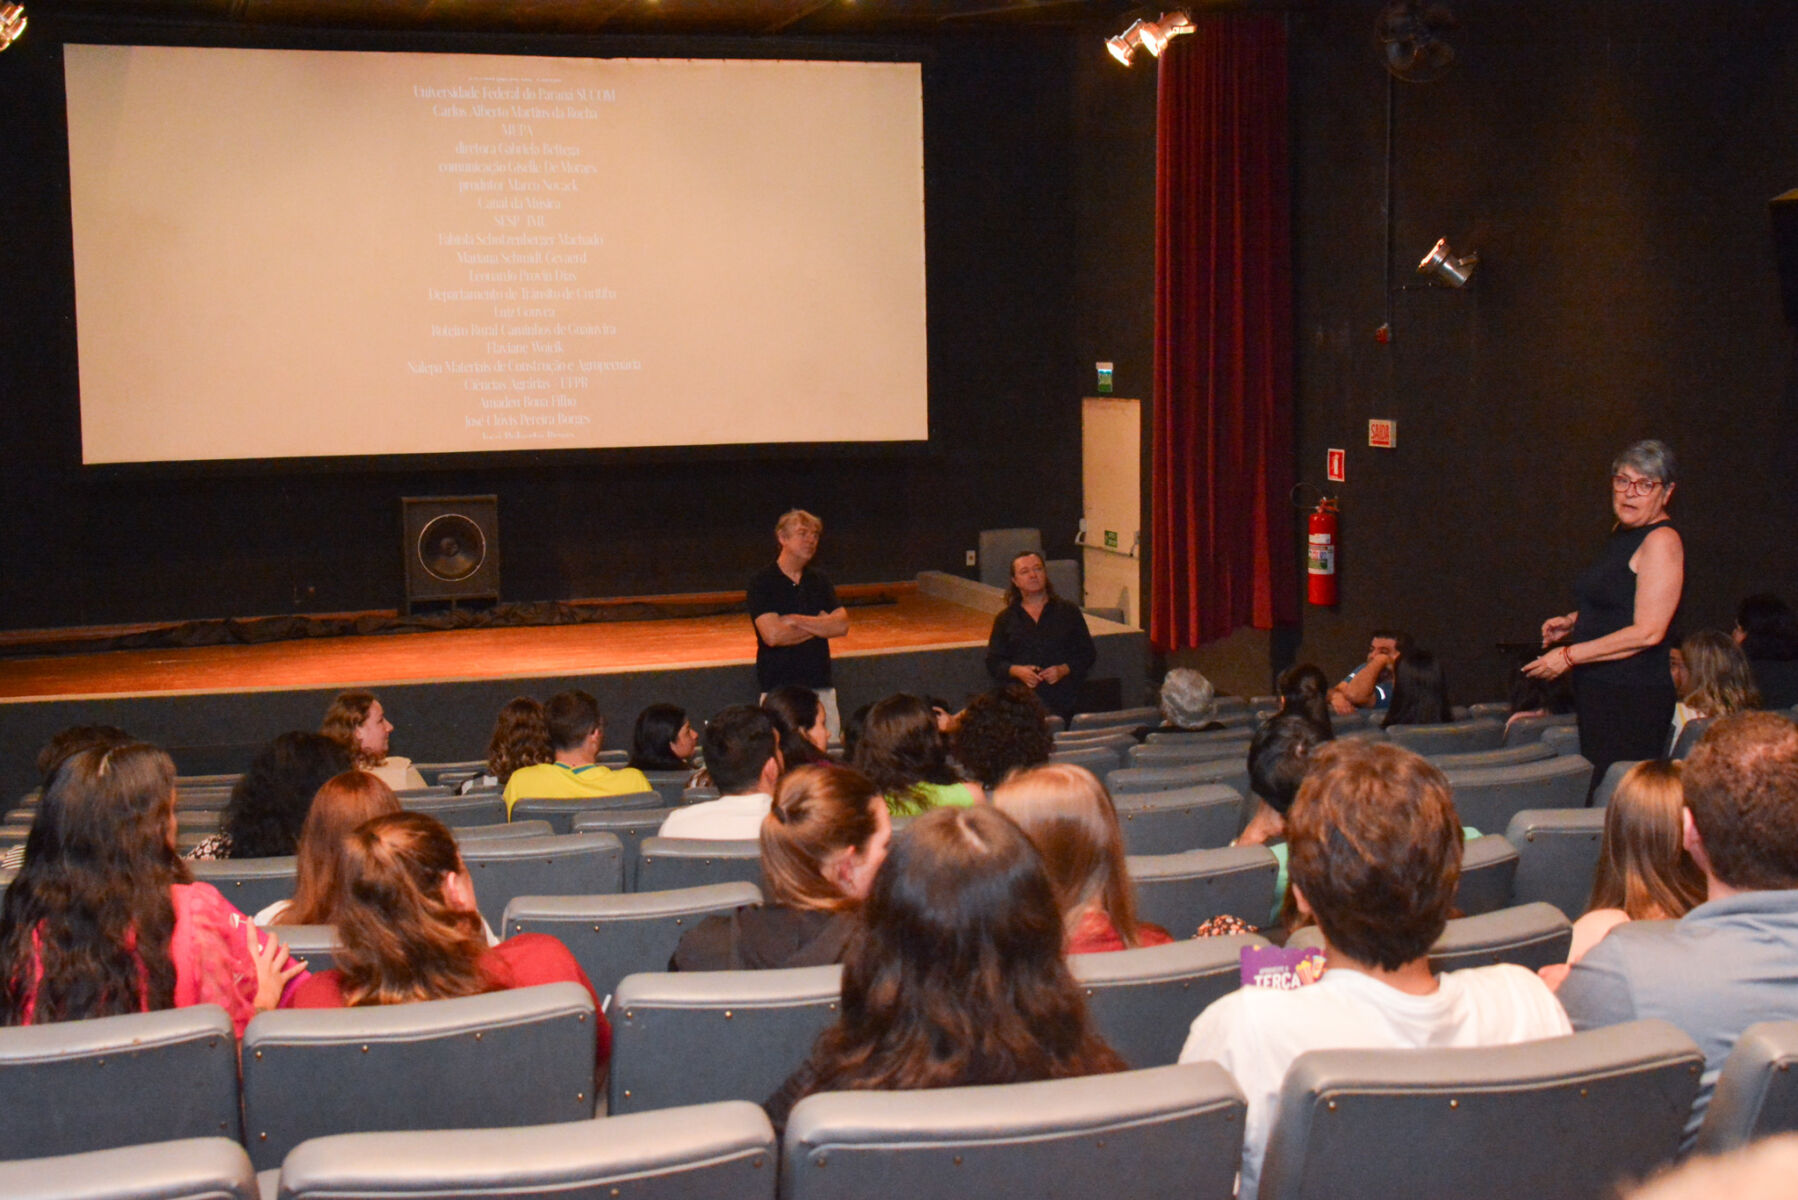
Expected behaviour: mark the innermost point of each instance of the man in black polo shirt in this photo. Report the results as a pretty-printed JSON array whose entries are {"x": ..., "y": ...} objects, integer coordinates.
[{"x": 796, "y": 613}]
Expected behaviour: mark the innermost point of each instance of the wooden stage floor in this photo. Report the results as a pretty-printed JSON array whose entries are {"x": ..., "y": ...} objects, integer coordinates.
[{"x": 917, "y": 622}]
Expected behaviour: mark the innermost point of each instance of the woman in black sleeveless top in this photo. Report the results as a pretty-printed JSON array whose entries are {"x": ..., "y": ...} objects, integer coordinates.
[{"x": 1616, "y": 643}]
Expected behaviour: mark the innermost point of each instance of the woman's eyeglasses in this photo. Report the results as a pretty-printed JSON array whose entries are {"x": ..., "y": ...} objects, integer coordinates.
[{"x": 1633, "y": 487}]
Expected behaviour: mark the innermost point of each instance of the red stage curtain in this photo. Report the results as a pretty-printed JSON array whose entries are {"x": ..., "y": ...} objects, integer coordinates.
[{"x": 1222, "y": 535}]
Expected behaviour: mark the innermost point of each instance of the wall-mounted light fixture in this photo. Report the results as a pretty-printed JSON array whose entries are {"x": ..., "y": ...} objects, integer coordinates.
[
  {"x": 1152, "y": 36},
  {"x": 1443, "y": 263},
  {"x": 12, "y": 24}
]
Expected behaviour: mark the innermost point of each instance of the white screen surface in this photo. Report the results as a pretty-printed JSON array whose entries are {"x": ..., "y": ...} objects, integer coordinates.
[{"x": 299, "y": 253}]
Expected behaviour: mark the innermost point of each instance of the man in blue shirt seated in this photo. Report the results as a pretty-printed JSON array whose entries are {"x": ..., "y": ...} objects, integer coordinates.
[{"x": 1370, "y": 684}]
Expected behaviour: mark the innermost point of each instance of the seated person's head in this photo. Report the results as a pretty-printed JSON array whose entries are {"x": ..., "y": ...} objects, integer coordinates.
[
  {"x": 824, "y": 837},
  {"x": 1375, "y": 851},
  {"x": 1304, "y": 689},
  {"x": 1531, "y": 695},
  {"x": 1741, "y": 788},
  {"x": 1280, "y": 754},
  {"x": 269, "y": 804},
  {"x": 1719, "y": 680},
  {"x": 852, "y": 730},
  {"x": 740, "y": 743},
  {"x": 901, "y": 746},
  {"x": 1766, "y": 627},
  {"x": 343, "y": 804},
  {"x": 1188, "y": 701},
  {"x": 74, "y": 740},
  {"x": 357, "y": 722},
  {"x": 1419, "y": 691},
  {"x": 575, "y": 726},
  {"x": 408, "y": 921},
  {"x": 663, "y": 739},
  {"x": 1068, "y": 815},
  {"x": 798, "y": 717},
  {"x": 1002, "y": 731},
  {"x": 1643, "y": 867},
  {"x": 520, "y": 739}
]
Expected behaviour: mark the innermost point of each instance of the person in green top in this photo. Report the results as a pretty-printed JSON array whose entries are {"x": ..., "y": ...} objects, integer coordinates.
[{"x": 904, "y": 752}]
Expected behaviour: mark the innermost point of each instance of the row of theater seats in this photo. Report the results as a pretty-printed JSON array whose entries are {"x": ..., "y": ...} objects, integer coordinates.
[{"x": 342, "y": 1103}]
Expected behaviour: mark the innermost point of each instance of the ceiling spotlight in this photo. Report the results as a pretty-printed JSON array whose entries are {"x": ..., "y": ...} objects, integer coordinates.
[
  {"x": 12, "y": 24},
  {"x": 1442, "y": 263},
  {"x": 1124, "y": 45},
  {"x": 1157, "y": 34}
]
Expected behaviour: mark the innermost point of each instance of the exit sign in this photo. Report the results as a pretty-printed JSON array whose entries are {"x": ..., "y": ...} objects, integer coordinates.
[{"x": 1382, "y": 433}]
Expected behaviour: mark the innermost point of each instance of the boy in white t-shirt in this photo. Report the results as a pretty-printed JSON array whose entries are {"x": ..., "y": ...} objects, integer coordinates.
[{"x": 1375, "y": 857}]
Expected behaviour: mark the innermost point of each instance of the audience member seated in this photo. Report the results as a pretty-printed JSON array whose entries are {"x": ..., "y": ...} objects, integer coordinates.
[
  {"x": 1718, "y": 681},
  {"x": 958, "y": 978},
  {"x": 1644, "y": 872},
  {"x": 742, "y": 754},
  {"x": 1068, "y": 816},
  {"x": 342, "y": 805},
  {"x": 800, "y": 721},
  {"x": 357, "y": 722},
  {"x": 269, "y": 804},
  {"x": 1370, "y": 684},
  {"x": 663, "y": 739},
  {"x": 1733, "y": 960},
  {"x": 1188, "y": 703},
  {"x": 1376, "y": 856},
  {"x": 520, "y": 739},
  {"x": 104, "y": 918},
  {"x": 1002, "y": 731},
  {"x": 822, "y": 841},
  {"x": 1305, "y": 692},
  {"x": 904, "y": 752},
  {"x": 410, "y": 929},
  {"x": 1419, "y": 692},
  {"x": 576, "y": 731},
  {"x": 1279, "y": 755},
  {"x": 1767, "y": 631},
  {"x": 59, "y": 748},
  {"x": 853, "y": 725},
  {"x": 1531, "y": 697}
]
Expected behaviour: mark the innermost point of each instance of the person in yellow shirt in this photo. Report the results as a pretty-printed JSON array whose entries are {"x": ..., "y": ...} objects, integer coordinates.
[{"x": 575, "y": 732}]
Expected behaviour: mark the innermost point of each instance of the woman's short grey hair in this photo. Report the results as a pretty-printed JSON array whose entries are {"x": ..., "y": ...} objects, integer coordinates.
[
  {"x": 1651, "y": 459},
  {"x": 1187, "y": 698}
]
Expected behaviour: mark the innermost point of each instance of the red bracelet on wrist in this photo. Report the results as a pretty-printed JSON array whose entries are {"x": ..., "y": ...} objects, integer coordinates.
[{"x": 1567, "y": 653}]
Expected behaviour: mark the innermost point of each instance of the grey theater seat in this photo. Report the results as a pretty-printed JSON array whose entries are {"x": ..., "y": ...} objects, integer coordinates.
[
  {"x": 578, "y": 864},
  {"x": 1688, "y": 737},
  {"x": 1195, "y": 818},
  {"x": 1490, "y": 708},
  {"x": 518, "y": 1057},
  {"x": 1117, "y": 718},
  {"x": 1116, "y": 735},
  {"x": 630, "y": 826},
  {"x": 561, "y": 813},
  {"x": 1097, "y": 759},
  {"x": 1564, "y": 738},
  {"x": 1613, "y": 775},
  {"x": 669, "y": 784},
  {"x": 1180, "y": 892},
  {"x": 612, "y": 936},
  {"x": 1529, "y": 935},
  {"x": 1557, "y": 856},
  {"x": 691, "y": 1038},
  {"x": 1140, "y": 1135},
  {"x": 252, "y": 884},
  {"x": 476, "y": 808},
  {"x": 1164, "y": 754},
  {"x": 1144, "y": 1000},
  {"x": 1488, "y": 797},
  {"x": 68, "y": 1087},
  {"x": 1757, "y": 1092},
  {"x": 1526, "y": 730},
  {"x": 1231, "y": 772},
  {"x": 1561, "y": 1117},
  {"x": 317, "y": 945},
  {"x": 664, "y": 864},
  {"x": 693, "y": 1153},
  {"x": 212, "y": 1168},
  {"x": 503, "y": 830},
  {"x": 1488, "y": 869},
  {"x": 436, "y": 772},
  {"x": 1209, "y": 737},
  {"x": 1449, "y": 737},
  {"x": 1503, "y": 757}
]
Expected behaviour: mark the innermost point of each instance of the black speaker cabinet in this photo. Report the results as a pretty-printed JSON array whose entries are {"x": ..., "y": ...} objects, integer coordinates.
[
  {"x": 451, "y": 548},
  {"x": 1784, "y": 210}
]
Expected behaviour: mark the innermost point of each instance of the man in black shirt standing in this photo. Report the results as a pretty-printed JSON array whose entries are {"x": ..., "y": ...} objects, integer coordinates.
[{"x": 796, "y": 613}]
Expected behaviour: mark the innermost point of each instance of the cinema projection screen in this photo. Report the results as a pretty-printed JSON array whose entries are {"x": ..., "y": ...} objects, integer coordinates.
[{"x": 293, "y": 253}]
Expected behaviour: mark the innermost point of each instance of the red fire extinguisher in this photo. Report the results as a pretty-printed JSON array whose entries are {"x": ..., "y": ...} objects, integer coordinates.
[{"x": 1320, "y": 556}]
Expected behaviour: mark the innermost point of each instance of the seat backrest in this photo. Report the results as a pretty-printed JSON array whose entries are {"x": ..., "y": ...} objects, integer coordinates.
[
  {"x": 669, "y": 784},
  {"x": 1181, "y": 737},
  {"x": 1449, "y": 737},
  {"x": 1182, "y": 891},
  {"x": 1140, "y": 1135},
  {"x": 1530, "y": 935},
  {"x": 72, "y": 1086},
  {"x": 664, "y": 864},
  {"x": 578, "y": 864},
  {"x": 211, "y": 1168},
  {"x": 1233, "y": 772},
  {"x": 1503, "y": 757},
  {"x": 618, "y": 935},
  {"x": 1117, "y": 718},
  {"x": 695, "y": 1037},
  {"x": 561, "y": 812},
  {"x": 1557, "y": 856},
  {"x": 252, "y": 884},
  {"x": 477, "y": 808},
  {"x": 1564, "y": 738},
  {"x": 1097, "y": 759},
  {"x": 1757, "y": 1092},
  {"x": 1490, "y": 708},
  {"x": 1085, "y": 739},
  {"x": 1144, "y": 1000},
  {"x": 999, "y": 546},
  {"x": 503, "y": 830},
  {"x": 630, "y": 826},
  {"x": 1195, "y": 818},
  {"x": 1488, "y": 867},
  {"x": 518, "y": 1057},
  {"x": 698, "y": 795},
  {"x": 726, "y": 1149},
  {"x": 435, "y": 772},
  {"x": 1525, "y": 730},
  {"x": 1688, "y": 737},
  {"x": 1165, "y": 754},
  {"x": 1613, "y": 775},
  {"x": 1483, "y": 1123},
  {"x": 1488, "y": 797},
  {"x": 316, "y": 945}
]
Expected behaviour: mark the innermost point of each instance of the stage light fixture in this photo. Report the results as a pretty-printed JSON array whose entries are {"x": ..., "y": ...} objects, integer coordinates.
[
  {"x": 1445, "y": 265},
  {"x": 1152, "y": 36},
  {"x": 12, "y": 24},
  {"x": 1123, "y": 46}
]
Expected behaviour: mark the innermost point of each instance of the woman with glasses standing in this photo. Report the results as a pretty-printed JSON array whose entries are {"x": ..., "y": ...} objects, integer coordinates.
[{"x": 1616, "y": 643}]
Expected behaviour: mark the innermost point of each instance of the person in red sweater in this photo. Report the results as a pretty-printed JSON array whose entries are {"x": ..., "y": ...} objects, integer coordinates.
[
  {"x": 1069, "y": 816},
  {"x": 411, "y": 931}
]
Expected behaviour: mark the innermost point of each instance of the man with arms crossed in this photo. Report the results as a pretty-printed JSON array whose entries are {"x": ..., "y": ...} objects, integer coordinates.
[
  {"x": 796, "y": 613},
  {"x": 1370, "y": 684}
]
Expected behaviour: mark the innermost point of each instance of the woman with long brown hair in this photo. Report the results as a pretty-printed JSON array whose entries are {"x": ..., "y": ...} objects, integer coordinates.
[
  {"x": 823, "y": 839},
  {"x": 903, "y": 750},
  {"x": 357, "y": 722},
  {"x": 104, "y": 918},
  {"x": 1068, "y": 815},
  {"x": 344, "y": 803},
  {"x": 1719, "y": 680},
  {"x": 958, "y": 978}
]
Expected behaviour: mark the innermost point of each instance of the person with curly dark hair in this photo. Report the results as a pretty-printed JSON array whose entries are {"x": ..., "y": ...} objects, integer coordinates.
[
  {"x": 958, "y": 978},
  {"x": 799, "y": 717},
  {"x": 520, "y": 739},
  {"x": 269, "y": 804},
  {"x": 904, "y": 752},
  {"x": 1002, "y": 731}
]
